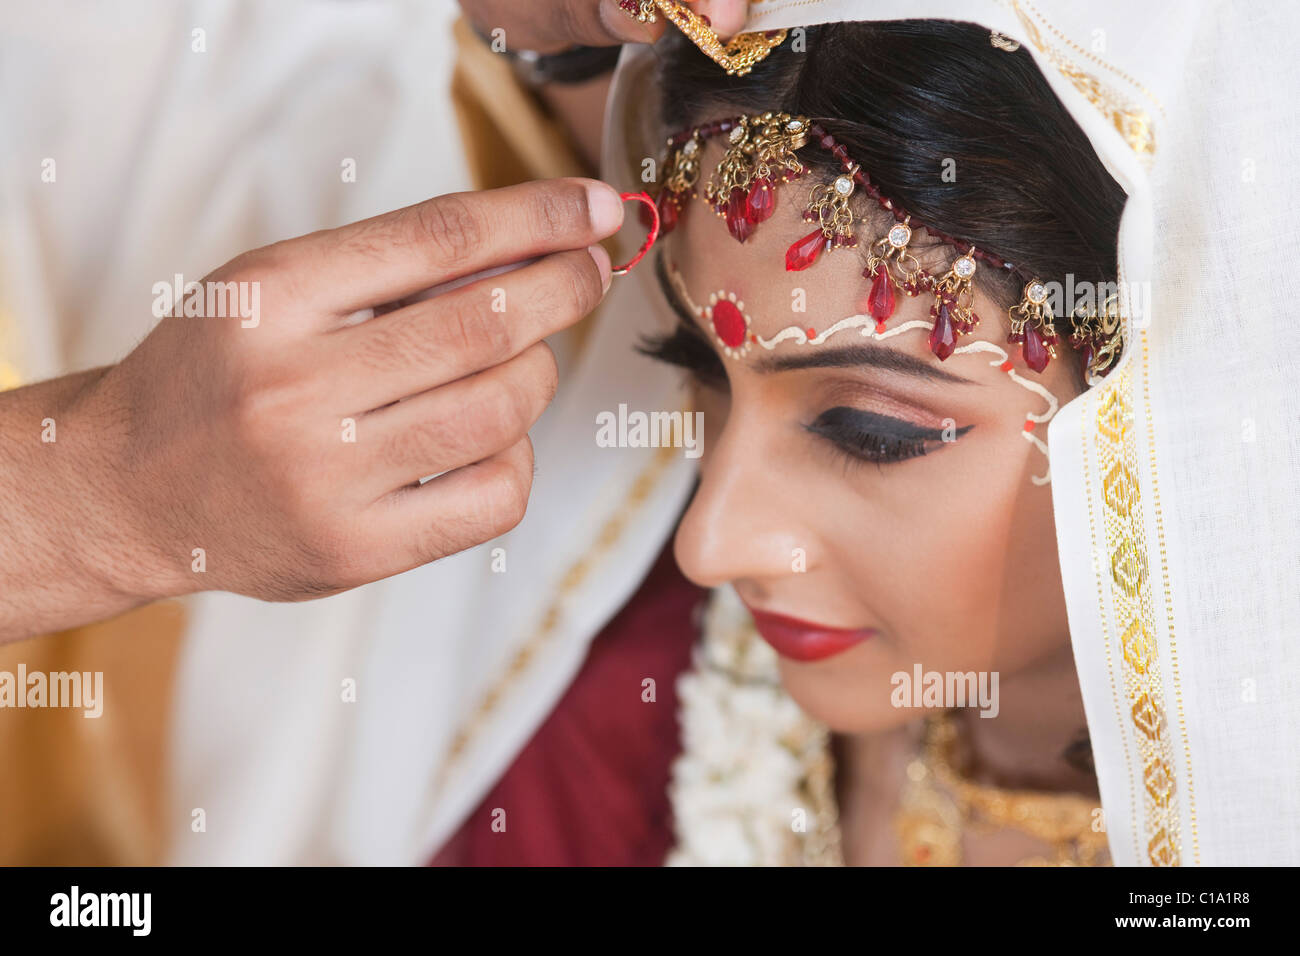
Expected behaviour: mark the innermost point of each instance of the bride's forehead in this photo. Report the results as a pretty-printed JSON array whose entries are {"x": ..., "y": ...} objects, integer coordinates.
[
  {"x": 710, "y": 262},
  {"x": 752, "y": 311}
]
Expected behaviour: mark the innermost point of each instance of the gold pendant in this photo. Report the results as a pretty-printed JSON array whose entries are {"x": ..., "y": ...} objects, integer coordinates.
[{"x": 737, "y": 56}]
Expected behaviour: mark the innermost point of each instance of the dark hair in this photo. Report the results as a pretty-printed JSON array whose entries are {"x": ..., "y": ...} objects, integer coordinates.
[{"x": 904, "y": 96}]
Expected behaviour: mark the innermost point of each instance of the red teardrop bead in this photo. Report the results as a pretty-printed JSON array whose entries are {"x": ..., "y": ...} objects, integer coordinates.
[
  {"x": 880, "y": 301},
  {"x": 729, "y": 323},
  {"x": 737, "y": 217},
  {"x": 804, "y": 252},
  {"x": 943, "y": 337},
  {"x": 762, "y": 201},
  {"x": 668, "y": 210},
  {"x": 1034, "y": 349}
]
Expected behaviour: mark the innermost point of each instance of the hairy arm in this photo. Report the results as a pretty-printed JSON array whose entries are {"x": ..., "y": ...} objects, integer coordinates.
[
  {"x": 69, "y": 553},
  {"x": 280, "y": 455}
]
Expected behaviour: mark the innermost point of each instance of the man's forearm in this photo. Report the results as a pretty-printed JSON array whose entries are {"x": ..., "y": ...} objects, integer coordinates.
[{"x": 66, "y": 555}]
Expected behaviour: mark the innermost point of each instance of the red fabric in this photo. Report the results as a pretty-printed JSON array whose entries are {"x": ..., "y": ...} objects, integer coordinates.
[{"x": 590, "y": 788}]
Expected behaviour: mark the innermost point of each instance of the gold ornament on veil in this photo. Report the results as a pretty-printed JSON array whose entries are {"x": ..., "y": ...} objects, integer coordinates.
[{"x": 737, "y": 56}]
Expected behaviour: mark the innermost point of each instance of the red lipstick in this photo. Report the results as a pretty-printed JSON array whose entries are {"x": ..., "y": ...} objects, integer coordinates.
[{"x": 803, "y": 640}]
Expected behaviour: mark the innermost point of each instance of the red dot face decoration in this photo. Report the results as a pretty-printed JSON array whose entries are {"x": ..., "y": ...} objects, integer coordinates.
[
  {"x": 726, "y": 315},
  {"x": 729, "y": 323}
]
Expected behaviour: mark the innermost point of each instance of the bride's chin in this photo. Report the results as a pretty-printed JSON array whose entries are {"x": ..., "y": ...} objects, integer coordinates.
[{"x": 837, "y": 698}]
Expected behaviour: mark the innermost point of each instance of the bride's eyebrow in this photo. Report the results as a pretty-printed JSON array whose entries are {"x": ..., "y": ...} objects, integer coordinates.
[
  {"x": 854, "y": 356},
  {"x": 849, "y": 356}
]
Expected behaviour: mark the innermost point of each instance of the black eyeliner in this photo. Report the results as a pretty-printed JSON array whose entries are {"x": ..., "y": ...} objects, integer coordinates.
[
  {"x": 876, "y": 438},
  {"x": 844, "y": 418}
]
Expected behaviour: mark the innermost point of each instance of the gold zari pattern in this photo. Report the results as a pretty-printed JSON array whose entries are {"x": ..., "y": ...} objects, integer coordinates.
[
  {"x": 1125, "y": 561},
  {"x": 1131, "y": 122}
]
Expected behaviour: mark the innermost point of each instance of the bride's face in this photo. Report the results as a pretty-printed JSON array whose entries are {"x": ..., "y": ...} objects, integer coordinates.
[{"x": 863, "y": 485}]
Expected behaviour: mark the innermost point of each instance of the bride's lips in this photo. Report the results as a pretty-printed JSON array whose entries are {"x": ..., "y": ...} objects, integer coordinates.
[{"x": 803, "y": 640}]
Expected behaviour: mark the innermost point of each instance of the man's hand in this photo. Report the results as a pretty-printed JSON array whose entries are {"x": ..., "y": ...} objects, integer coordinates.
[
  {"x": 548, "y": 26},
  {"x": 282, "y": 458}
]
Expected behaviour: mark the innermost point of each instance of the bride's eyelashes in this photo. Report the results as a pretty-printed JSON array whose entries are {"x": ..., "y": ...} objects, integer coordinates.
[
  {"x": 687, "y": 348},
  {"x": 879, "y": 439}
]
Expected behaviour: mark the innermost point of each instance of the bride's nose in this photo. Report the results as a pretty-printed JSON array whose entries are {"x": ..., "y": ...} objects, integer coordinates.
[{"x": 743, "y": 522}]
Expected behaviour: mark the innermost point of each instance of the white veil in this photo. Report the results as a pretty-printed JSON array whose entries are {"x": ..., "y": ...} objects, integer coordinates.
[{"x": 1175, "y": 481}]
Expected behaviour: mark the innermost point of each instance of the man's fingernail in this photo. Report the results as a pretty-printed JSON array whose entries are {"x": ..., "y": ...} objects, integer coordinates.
[
  {"x": 602, "y": 262},
  {"x": 605, "y": 207}
]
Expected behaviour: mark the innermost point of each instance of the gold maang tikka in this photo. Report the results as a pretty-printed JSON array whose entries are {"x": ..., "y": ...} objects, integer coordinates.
[{"x": 760, "y": 155}]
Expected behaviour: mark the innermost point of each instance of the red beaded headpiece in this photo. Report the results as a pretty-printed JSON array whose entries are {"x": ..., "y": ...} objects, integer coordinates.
[{"x": 760, "y": 155}]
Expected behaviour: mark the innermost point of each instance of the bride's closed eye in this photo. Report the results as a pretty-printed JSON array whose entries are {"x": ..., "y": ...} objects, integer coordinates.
[
  {"x": 862, "y": 435},
  {"x": 879, "y": 439}
]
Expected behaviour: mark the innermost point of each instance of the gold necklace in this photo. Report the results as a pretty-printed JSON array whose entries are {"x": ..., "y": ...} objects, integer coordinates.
[{"x": 938, "y": 804}]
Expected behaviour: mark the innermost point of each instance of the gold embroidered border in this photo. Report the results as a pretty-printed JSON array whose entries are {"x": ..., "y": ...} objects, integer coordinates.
[
  {"x": 1134, "y": 621},
  {"x": 1096, "y": 564},
  {"x": 1131, "y": 121},
  {"x": 1169, "y": 599}
]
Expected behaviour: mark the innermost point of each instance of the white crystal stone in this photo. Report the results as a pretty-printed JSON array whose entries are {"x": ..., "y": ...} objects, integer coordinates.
[
  {"x": 794, "y": 126},
  {"x": 737, "y": 134},
  {"x": 1037, "y": 293},
  {"x": 899, "y": 236},
  {"x": 691, "y": 147},
  {"x": 964, "y": 267},
  {"x": 844, "y": 185}
]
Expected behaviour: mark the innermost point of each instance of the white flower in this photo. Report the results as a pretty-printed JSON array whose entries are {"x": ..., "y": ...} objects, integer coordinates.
[{"x": 739, "y": 777}]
